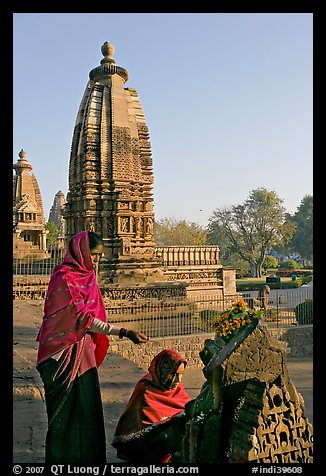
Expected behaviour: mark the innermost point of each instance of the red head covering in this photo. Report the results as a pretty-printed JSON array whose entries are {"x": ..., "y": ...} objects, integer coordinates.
[
  {"x": 72, "y": 302},
  {"x": 152, "y": 401}
]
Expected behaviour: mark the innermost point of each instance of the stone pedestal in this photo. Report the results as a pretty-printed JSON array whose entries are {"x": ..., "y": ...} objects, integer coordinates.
[{"x": 248, "y": 410}]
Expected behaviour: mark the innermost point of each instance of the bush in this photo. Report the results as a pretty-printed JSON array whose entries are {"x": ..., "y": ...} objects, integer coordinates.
[
  {"x": 304, "y": 312},
  {"x": 287, "y": 273},
  {"x": 255, "y": 285},
  {"x": 307, "y": 279},
  {"x": 290, "y": 264}
]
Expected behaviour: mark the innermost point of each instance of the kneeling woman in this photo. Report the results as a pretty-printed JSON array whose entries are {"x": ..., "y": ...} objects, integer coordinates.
[{"x": 150, "y": 429}]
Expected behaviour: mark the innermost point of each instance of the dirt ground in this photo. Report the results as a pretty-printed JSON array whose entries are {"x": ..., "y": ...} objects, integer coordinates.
[{"x": 118, "y": 377}]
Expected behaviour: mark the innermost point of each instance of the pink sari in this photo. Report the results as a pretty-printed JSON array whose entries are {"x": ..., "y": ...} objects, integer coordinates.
[{"x": 72, "y": 302}]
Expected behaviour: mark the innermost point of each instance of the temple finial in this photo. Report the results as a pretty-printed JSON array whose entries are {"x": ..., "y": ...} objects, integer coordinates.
[
  {"x": 107, "y": 50},
  {"x": 22, "y": 154}
]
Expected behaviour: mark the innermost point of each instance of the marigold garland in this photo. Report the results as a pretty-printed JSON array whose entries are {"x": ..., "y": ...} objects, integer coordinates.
[{"x": 237, "y": 316}]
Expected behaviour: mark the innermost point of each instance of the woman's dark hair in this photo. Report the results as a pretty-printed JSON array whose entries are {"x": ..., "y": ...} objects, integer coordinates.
[{"x": 94, "y": 239}]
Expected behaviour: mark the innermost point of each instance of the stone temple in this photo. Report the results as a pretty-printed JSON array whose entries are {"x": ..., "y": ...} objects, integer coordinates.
[
  {"x": 56, "y": 216},
  {"x": 110, "y": 173},
  {"x": 111, "y": 192},
  {"x": 29, "y": 234}
]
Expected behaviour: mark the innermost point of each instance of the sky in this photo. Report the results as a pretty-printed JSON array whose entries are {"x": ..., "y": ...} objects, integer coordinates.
[{"x": 228, "y": 100}]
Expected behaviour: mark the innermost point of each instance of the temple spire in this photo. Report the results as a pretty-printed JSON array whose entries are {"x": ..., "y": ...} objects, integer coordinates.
[{"x": 111, "y": 172}]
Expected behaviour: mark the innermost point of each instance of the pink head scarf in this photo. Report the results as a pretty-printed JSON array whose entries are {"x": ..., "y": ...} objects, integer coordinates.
[{"x": 72, "y": 302}]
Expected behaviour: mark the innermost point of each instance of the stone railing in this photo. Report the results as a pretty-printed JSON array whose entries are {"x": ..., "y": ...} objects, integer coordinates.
[{"x": 188, "y": 255}]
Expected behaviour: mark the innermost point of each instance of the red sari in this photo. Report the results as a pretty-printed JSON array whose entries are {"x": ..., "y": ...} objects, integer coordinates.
[
  {"x": 76, "y": 431},
  {"x": 152, "y": 411}
]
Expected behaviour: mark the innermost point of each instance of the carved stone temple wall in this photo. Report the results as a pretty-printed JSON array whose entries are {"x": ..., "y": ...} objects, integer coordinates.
[{"x": 248, "y": 410}]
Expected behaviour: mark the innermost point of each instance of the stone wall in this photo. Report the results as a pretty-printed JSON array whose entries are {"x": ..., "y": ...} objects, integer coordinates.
[{"x": 298, "y": 341}]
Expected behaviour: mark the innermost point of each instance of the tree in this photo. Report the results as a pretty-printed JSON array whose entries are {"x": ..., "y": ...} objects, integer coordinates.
[
  {"x": 216, "y": 234},
  {"x": 251, "y": 229},
  {"x": 302, "y": 240},
  {"x": 171, "y": 232},
  {"x": 53, "y": 232},
  {"x": 270, "y": 262},
  {"x": 284, "y": 250}
]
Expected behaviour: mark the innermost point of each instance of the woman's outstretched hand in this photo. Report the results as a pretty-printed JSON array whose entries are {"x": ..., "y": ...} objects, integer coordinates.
[{"x": 137, "y": 337}]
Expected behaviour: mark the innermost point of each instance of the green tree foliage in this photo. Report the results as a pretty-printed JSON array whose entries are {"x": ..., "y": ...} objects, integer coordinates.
[
  {"x": 53, "y": 232},
  {"x": 217, "y": 235},
  {"x": 251, "y": 229},
  {"x": 290, "y": 264},
  {"x": 171, "y": 232},
  {"x": 234, "y": 260},
  {"x": 284, "y": 249},
  {"x": 302, "y": 240},
  {"x": 270, "y": 262}
]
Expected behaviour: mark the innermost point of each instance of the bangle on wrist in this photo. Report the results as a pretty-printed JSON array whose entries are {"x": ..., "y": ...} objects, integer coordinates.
[{"x": 122, "y": 333}]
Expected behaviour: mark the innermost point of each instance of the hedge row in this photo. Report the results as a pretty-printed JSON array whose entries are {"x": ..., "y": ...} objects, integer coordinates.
[{"x": 250, "y": 285}]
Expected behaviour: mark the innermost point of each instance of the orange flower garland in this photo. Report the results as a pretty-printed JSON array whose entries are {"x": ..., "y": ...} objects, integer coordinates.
[{"x": 229, "y": 321}]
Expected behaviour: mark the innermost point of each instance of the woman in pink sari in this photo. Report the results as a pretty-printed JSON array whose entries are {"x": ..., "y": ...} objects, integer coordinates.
[{"x": 73, "y": 342}]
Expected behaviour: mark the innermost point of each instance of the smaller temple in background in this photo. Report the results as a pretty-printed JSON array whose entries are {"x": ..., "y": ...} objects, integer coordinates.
[
  {"x": 56, "y": 215},
  {"x": 29, "y": 234}
]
